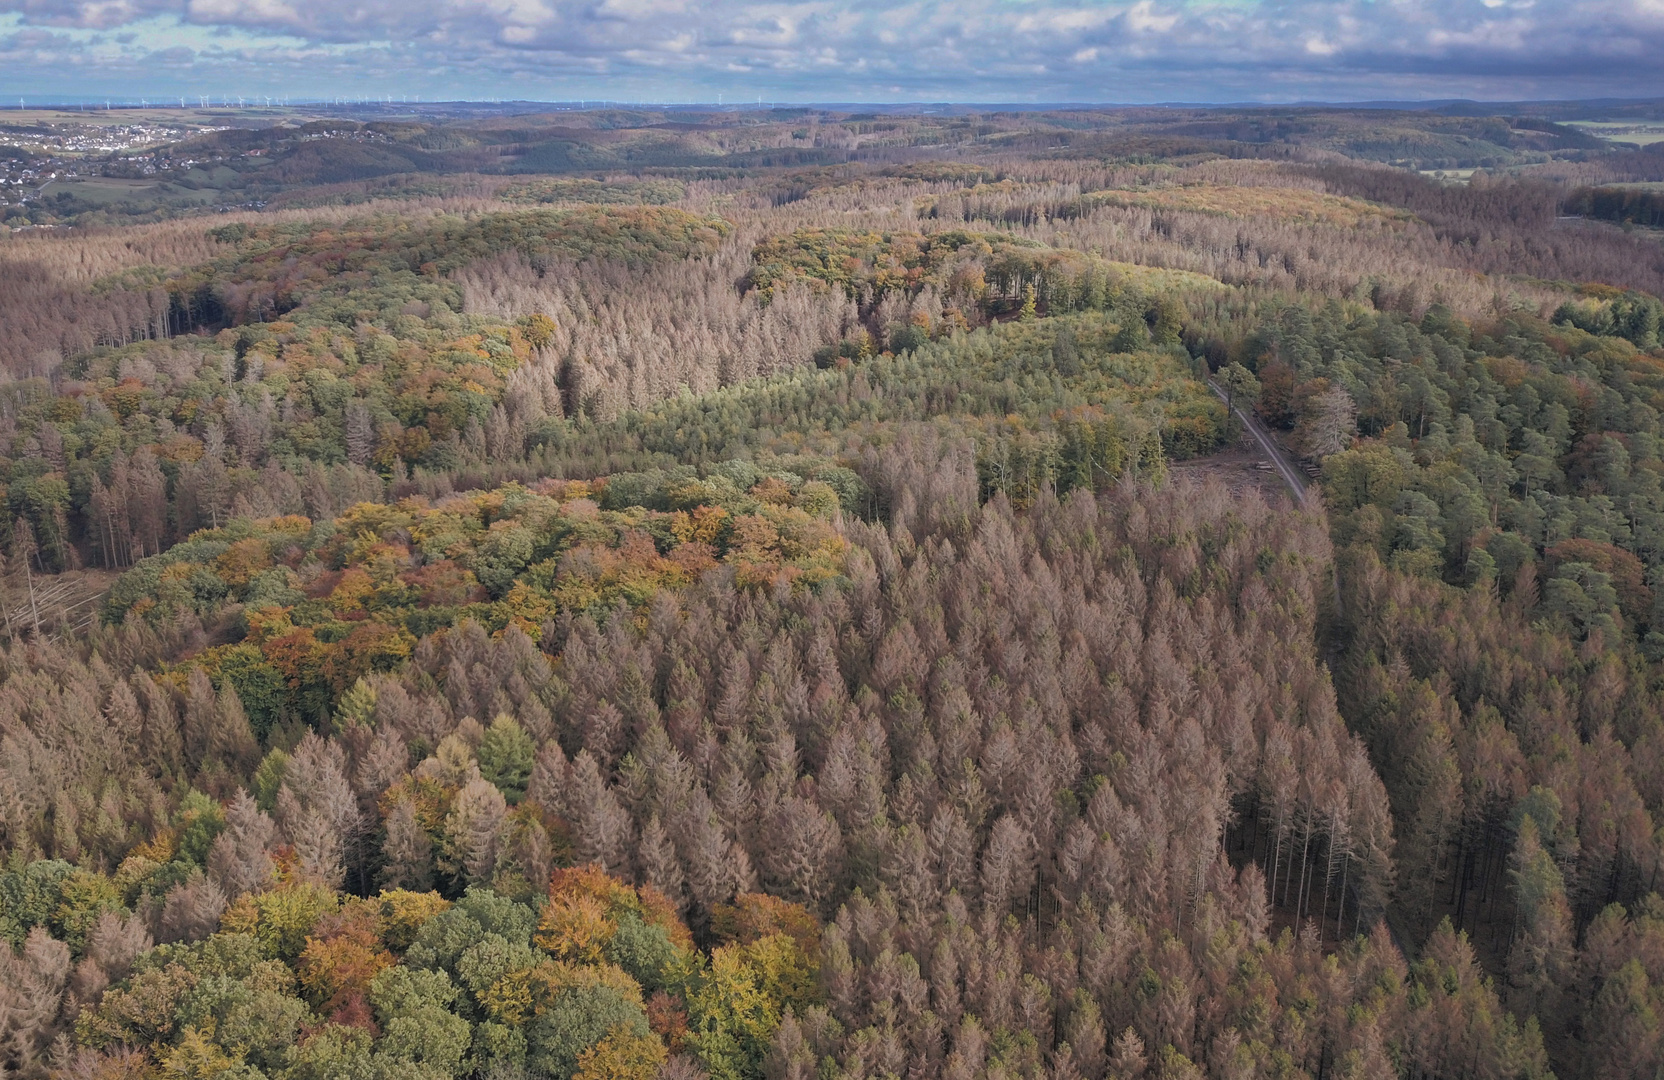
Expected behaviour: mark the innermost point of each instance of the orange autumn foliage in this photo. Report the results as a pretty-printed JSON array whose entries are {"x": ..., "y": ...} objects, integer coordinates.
[{"x": 342, "y": 955}]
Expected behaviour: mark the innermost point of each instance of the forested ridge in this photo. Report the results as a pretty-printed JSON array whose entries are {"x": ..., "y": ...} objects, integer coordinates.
[{"x": 749, "y": 617}]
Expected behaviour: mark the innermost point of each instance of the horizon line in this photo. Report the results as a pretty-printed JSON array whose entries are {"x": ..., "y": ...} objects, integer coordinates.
[{"x": 278, "y": 101}]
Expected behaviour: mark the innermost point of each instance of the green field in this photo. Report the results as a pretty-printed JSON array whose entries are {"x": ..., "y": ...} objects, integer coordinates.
[
  {"x": 104, "y": 191},
  {"x": 1640, "y": 134},
  {"x": 1449, "y": 176}
]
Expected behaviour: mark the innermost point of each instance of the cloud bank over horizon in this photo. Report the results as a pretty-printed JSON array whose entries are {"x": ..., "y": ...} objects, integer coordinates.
[{"x": 821, "y": 51}]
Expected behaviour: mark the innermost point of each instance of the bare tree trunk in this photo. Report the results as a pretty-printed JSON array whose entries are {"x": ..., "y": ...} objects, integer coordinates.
[
  {"x": 6, "y": 597},
  {"x": 1276, "y": 852},
  {"x": 1305, "y": 850},
  {"x": 34, "y": 610},
  {"x": 1328, "y": 872}
]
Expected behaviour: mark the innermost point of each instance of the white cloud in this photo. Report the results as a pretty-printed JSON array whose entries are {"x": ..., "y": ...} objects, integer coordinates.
[
  {"x": 1064, "y": 21},
  {"x": 262, "y": 12},
  {"x": 965, "y": 49},
  {"x": 1502, "y": 35},
  {"x": 1143, "y": 18},
  {"x": 96, "y": 14}
]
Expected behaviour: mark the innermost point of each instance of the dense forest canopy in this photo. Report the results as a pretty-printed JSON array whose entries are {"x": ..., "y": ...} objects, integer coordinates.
[{"x": 1135, "y": 594}]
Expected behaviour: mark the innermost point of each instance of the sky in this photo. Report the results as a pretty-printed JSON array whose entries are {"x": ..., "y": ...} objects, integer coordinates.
[{"x": 676, "y": 51}]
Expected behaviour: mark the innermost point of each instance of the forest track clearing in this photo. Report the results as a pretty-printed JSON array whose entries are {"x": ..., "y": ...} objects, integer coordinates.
[
  {"x": 1242, "y": 466},
  {"x": 1286, "y": 468}
]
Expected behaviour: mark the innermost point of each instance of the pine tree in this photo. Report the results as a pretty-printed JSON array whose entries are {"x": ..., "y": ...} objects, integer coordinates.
[
  {"x": 201, "y": 718},
  {"x": 191, "y": 911},
  {"x": 359, "y": 433},
  {"x": 1126, "y": 1059},
  {"x": 704, "y": 849},
  {"x": 506, "y": 757},
  {"x": 160, "y": 742},
  {"x": 601, "y": 828},
  {"x": 380, "y": 766},
  {"x": 952, "y": 851},
  {"x": 147, "y": 504},
  {"x": 603, "y": 734},
  {"x": 1621, "y": 1034},
  {"x": 240, "y": 860},
  {"x": 473, "y": 833},
  {"x": 1540, "y": 962},
  {"x": 657, "y": 862},
  {"x": 547, "y": 784},
  {"x": 32, "y": 983},
  {"x": 408, "y": 851},
  {"x": 232, "y": 741},
  {"x": 357, "y": 706},
  {"x": 1005, "y": 864},
  {"x": 318, "y": 811},
  {"x": 801, "y": 852},
  {"x": 320, "y": 849}
]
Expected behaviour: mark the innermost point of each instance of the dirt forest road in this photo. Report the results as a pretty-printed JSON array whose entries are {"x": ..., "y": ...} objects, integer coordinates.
[{"x": 1286, "y": 468}]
